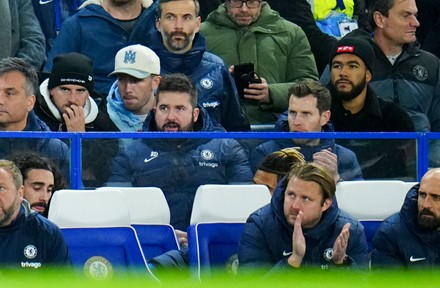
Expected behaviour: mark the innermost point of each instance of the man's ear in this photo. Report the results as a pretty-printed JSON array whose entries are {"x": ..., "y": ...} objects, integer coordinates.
[
  {"x": 368, "y": 76},
  {"x": 378, "y": 19},
  {"x": 158, "y": 25},
  {"x": 30, "y": 102},
  {"x": 199, "y": 21},
  {"x": 327, "y": 203},
  {"x": 196, "y": 113},
  {"x": 325, "y": 117}
]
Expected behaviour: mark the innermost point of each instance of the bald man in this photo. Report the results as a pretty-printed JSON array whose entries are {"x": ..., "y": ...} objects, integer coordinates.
[{"x": 410, "y": 238}]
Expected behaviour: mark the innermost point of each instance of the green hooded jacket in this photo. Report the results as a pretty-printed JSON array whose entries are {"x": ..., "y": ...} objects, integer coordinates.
[{"x": 278, "y": 48}]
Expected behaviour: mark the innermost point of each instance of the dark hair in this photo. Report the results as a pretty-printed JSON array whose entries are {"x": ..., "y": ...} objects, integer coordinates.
[
  {"x": 177, "y": 83},
  {"x": 316, "y": 173},
  {"x": 11, "y": 64},
  {"x": 321, "y": 93},
  {"x": 280, "y": 162},
  {"x": 381, "y": 6},
  {"x": 159, "y": 8},
  {"x": 27, "y": 161}
]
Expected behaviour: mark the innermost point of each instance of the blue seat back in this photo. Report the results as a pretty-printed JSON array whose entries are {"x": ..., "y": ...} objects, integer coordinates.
[
  {"x": 213, "y": 246},
  {"x": 156, "y": 239},
  {"x": 105, "y": 252}
]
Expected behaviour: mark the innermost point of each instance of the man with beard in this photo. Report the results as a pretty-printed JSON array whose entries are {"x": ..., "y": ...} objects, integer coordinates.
[
  {"x": 410, "y": 238},
  {"x": 41, "y": 178},
  {"x": 250, "y": 31},
  {"x": 29, "y": 240},
  {"x": 357, "y": 108},
  {"x": 99, "y": 30},
  {"x": 182, "y": 49},
  {"x": 302, "y": 227},
  {"x": 309, "y": 111},
  {"x": 179, "y": 165}
]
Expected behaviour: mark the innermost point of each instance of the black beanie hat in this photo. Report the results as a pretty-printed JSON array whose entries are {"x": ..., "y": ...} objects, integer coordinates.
[
  {"x": 358, "y": 45},
  {"x": 72, "y": 68}
]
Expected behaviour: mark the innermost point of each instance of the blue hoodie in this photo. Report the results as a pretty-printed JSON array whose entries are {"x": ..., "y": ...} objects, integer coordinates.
[
  {"x": 180, "y": 166},
  {"x": 267, "y": 238}
]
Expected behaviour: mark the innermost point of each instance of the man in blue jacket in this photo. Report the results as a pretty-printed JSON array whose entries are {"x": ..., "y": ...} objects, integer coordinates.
[
  {"x": 182, "y": 49},
  {"x": 99, "y": 32},
  {"x": 28, "y": 239},
  {"x": 180, "y": 166},
  {"x": 410, "y": 238},
  {"x": 302, "y": 227},
  {"x": 309, "y": 111}
]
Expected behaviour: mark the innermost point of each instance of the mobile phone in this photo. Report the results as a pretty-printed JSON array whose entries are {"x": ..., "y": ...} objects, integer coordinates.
[{"x": 244, "y": 75}]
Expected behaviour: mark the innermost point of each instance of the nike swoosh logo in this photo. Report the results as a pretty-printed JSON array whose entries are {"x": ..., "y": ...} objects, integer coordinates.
[
  {"x": 45, "y": 2},
  {"x": 286, "y": 253},
  {"x": 146, "y": 160},
  {"x": 412, "y": 259}
]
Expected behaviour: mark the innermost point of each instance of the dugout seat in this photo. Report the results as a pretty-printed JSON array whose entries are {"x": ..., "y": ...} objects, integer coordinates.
[
  {"x": 96, "y": 228},
  {"x": 150, "y": 217},
  {"x": 371, "y": 201},
  {"x": 217, "y": 222}
]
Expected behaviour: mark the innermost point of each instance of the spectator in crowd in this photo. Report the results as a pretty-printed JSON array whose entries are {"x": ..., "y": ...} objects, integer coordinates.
[
  {"x": 51, "y": 15},
  {"x": 410, "y": 239},
  {"x": 29, "y": 241},
  {"x": 402, "y": 72},
  {"x": 250, "y": 31},
  {"x": 275, "y": 166},
  {"x": 99, "y": 31},
  {"x": 18, "y": 81},
  {"x": 20, "y": 32},
  {"x": 64, "y": 104},
  {"x": 302, "y": 227},
  {"x": 182, "y": 49},
  {"x": 41, "y": 178},
  {"x": 357, "y": 108},
  {"x": 179, "y": 166},
  {"x": 309, "y": 111},
  {"x": 132, "y": 95}
]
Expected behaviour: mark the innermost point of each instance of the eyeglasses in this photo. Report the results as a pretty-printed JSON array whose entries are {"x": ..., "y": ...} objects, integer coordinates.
[{"x": 249, "y": 3}]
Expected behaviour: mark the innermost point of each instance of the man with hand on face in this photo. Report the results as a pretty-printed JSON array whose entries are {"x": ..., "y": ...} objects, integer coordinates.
[
  {"x": 302, "y": 227},
  {"x": 179, "y": 165},
  {"x": 410, "y": 238},
  {"x": 65, "y": 104},
  {"x": 309, "y": 111}
]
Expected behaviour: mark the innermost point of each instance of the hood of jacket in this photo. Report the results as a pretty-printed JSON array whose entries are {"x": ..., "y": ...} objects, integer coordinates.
[
  {"x": 324, "y": 227},
  {"x": 408, "y": 214},
  {"x": 125, "y": 120},
  {"x": 171, "y": 62}
]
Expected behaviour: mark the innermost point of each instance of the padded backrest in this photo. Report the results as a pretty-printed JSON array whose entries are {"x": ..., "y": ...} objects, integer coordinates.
[
  {"x": 88, "y": 208},
  {"x": 371, "y": 200},
  {"x": 228, "y": 203},
  {"x": 147, "y": 205},
  {"x": 214, "y": 245}
]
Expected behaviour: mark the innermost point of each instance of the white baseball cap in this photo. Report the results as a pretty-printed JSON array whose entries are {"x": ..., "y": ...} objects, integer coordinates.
[{"x": 136, "y": 60}]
